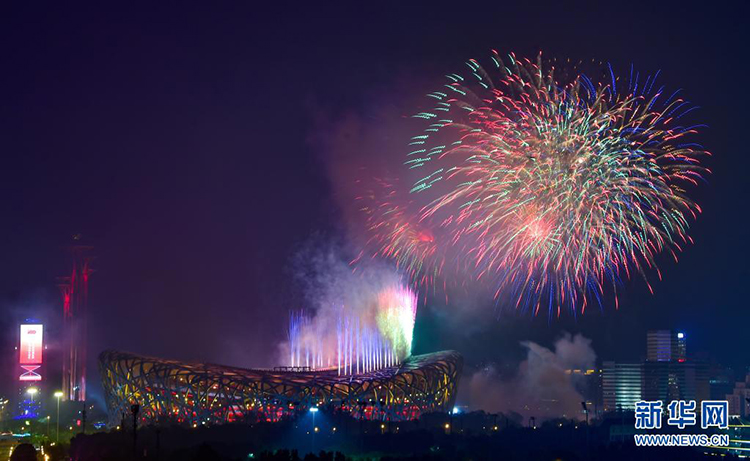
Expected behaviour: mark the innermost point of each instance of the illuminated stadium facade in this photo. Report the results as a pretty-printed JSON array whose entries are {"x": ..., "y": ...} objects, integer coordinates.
[{"x": 175, "y": 392}]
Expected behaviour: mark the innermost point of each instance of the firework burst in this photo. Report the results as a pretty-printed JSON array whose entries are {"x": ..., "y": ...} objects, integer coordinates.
[
  {"x": 398, "y": 234},
  {"x": 549, "y": 190}
]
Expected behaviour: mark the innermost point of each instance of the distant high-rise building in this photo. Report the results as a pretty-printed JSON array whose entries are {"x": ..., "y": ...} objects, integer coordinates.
[
  {"x": 622, "y": 385},
  {"x": 739, "y": 399},
  {"x": 30, "y": 360},
  {"x": 721, "y": 381},
  {"x": 665, "y": 375},
  {"x": 665, "y": 346},
  {"x": 681, "y": 380},
  {"x": 75, "y": 294}
]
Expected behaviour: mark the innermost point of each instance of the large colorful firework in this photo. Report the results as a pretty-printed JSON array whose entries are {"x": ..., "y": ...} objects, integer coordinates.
[{"x": 549, "y": 190}]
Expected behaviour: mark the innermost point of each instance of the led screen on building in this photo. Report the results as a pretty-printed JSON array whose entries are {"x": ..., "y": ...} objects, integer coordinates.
[{"x": 32, "y": 345}]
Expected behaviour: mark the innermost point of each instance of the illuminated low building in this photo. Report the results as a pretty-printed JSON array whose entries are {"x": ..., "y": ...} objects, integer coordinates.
[
  {"x": 175, "y": 392},
  {"x": 622, "y": 385}
]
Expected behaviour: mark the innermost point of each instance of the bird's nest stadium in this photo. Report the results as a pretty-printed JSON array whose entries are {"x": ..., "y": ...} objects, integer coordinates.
[{"x": 190, "y": 393}]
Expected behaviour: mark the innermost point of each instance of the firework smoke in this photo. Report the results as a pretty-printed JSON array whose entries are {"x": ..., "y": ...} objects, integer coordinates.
[{"x": 542, "y": 387}]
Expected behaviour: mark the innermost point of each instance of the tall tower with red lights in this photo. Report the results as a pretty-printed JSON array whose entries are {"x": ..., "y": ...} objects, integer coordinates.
[{"x": 75, "y": 289}]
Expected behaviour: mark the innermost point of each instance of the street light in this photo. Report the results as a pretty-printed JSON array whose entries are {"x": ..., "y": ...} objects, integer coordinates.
[
  {"x": 58, "y": 394},
  {"x": 32, "y": 391},
  {"x": 314, "y": 411},
  {"x": 586, "y": 410}
]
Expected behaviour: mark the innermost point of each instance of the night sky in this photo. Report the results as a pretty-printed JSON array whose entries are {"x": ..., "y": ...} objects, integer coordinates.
[{"x": 191, "y": 145}]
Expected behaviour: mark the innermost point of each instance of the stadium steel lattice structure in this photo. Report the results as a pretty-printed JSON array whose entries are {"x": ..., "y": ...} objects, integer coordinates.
[{"x": 177, "y": 392}]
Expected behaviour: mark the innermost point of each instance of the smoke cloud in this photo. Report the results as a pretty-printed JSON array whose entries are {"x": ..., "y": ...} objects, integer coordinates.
[{"x": 542, "y": 387}]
